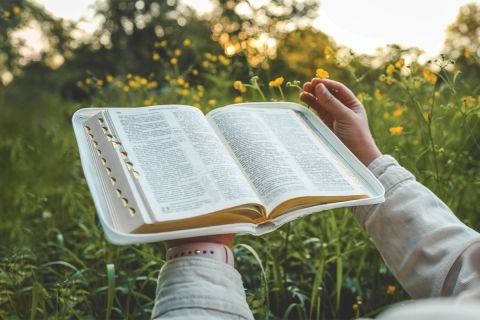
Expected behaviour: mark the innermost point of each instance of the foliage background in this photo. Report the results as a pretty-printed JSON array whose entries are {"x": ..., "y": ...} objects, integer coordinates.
[{"x": 54, "y": 261}]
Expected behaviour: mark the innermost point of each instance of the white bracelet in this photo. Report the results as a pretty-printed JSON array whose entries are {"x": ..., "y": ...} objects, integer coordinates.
[{"x": 215, "y": 251}]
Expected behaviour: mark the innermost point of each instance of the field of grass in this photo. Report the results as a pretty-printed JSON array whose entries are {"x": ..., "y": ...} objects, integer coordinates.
[{"x": 55, "y": 262}]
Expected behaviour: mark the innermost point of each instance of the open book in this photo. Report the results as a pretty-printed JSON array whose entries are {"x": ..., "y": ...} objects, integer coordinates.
[{"x": 169, "y": 171}]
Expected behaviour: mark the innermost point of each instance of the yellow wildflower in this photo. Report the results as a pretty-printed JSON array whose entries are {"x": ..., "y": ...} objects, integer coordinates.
[
  {"x": 277, "y": 82},
  {"x": 195, "y": 72},
  {"x": 328, "y": 52},
  {"x": 184, "y": 92},
  {"x": 391, "y": 289},
  {"x": 197, "y": 105},
  {"x": 88, "y": 81},
  {"x": 205, "y": 64},
  {"x": 143, "y": 82},
  {"x": 398, "y": 113},
  {"x": 6, "y": 14},
  {"x": 400, "y": 63},
  {"x": 224, "y": 60},
  {"x": 99, "y": 82},
  {"x": 132, "y": 83},
  {"x": 417, "y": 84},
  {"x": 163, "y": 43},
  {"x": 180, "y": 82},
  {"x": 322, "y": 73},
  {"x": 155, "y": 56},
  {"x": 129, "y": 76},
  {"x": 153, "y": 84},
  {"x": 467, "y": 53},
  {"x": 238, "y": 85},
  {"x": 178, "y": 52},
  {"x": 126, "y": 88},
  {"x": 382, "y": 78},
  {"x": 389, "y": 80},
  {"x": 187, "y": 42},
  {"x": 429, "y": 76},
  {"x": 390, "y": 69},
  {"x": 426, "y": 115},
  {"x": 200, "y": 90},
  {"x": 378, "y": 94},
  {"x": 17, "y": 10},
  {"x": 211, "y": 102},
  {"x": 469, "y": 101},
  {"x": 386, "y": 115},
  {"x": 360, "y": 97},
  {"x": 109, "y": 78},
  {"x": 395, "y": 131},
  {"x": 174, "y": 61},
  {"x": 238, "y": 99}
]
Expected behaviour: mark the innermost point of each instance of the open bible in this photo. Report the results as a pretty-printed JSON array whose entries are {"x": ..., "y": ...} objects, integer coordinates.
[{"x": 169, "y": 171}]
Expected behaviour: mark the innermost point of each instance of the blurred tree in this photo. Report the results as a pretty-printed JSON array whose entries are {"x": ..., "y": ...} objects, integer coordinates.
[
  {"x": 132, "y": 30},
  {"x": 254, "y": 28},
  {"x": 15, "y": 17},
  {"x": 463, "y": 39},
  {"x": 304, "y": 50}
]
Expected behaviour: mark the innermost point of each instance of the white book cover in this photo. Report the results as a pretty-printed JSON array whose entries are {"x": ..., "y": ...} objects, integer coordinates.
[{"x": 105, "y": 208}]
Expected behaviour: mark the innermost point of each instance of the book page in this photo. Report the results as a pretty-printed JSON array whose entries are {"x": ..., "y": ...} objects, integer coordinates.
[
  {"x": 182, "y": 166},
  {"x": 281, "y": 155}
]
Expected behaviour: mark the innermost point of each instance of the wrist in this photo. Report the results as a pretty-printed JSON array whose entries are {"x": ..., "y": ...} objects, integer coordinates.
[
  {"x": 210, "y": 250},
  {"x": 225, "y": 239},
  {"x": 367, "y": 156}
]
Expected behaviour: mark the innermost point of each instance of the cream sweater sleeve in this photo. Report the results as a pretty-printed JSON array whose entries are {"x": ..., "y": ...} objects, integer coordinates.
[
  {"x": 429, "y": 250},
  {"x": 200, "y": 288}
]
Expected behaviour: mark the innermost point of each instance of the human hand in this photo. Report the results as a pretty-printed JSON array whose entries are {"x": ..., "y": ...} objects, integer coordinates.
[
  {"x": 226, "y": 239},
  {"x": 344, "y": 114}
]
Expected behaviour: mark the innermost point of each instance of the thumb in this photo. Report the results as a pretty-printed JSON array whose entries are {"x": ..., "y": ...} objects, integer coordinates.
[{"x": 331, "y": 104}]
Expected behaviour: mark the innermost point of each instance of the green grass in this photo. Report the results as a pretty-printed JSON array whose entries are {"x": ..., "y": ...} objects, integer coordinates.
[{"x": 55, "y": 262}]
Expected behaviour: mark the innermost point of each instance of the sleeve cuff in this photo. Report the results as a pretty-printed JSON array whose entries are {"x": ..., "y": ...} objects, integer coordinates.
[
  {"x": 389, "y": 172},
  {"x": 200, "y": 283}
]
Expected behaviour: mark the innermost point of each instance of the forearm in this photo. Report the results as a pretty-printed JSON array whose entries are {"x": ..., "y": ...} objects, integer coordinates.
[
  {"x": 192, "y": 287},
  {"x": 416, "y": 233}
]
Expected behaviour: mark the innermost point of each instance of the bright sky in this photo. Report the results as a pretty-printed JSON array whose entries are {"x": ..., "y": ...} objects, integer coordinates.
[{"x": 362, "y": 25}]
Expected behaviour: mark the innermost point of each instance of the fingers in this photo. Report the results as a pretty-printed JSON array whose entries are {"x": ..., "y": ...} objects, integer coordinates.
[
  {"x": 339, "y": 90},
  {"x": 330, "y": 103},
  {"x": 310, "y": 86},
  {"x": 313, "y": 102}
]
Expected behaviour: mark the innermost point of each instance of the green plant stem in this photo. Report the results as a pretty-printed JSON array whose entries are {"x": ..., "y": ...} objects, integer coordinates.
[{"x": 281, "y": 93}]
